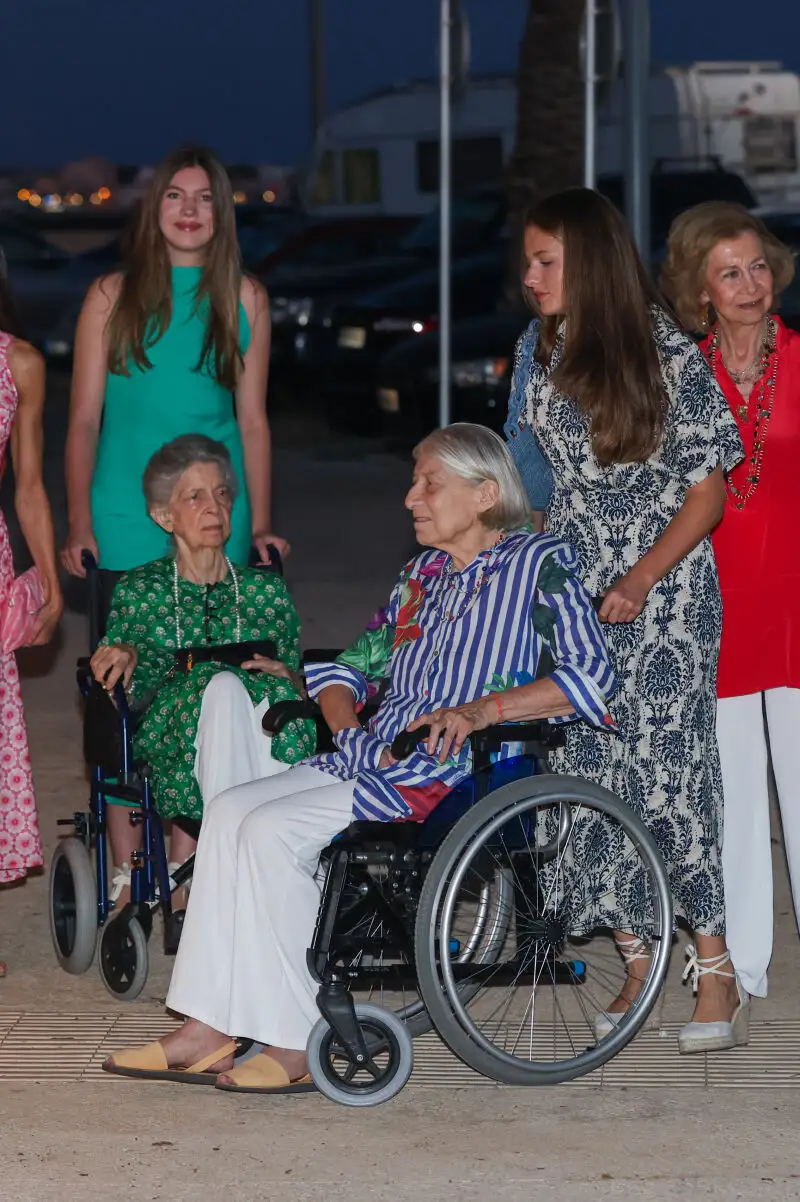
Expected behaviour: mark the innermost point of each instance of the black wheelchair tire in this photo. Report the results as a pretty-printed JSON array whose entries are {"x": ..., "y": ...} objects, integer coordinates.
[
  {"x": 502, "y": 805},
  {"x": 376, "y": 1022},
  {"x": 72, "y": 904},
  {"x": 124, "y": 958}
]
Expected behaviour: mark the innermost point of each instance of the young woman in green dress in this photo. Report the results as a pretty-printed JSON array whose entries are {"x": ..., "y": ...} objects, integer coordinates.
[
  {"x": 201, "y": 730},
  {"x": 176, "y": 343}
]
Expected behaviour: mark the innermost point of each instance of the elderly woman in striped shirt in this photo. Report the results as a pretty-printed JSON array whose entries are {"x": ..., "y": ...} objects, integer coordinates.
[{"x": 459, "y": 642}]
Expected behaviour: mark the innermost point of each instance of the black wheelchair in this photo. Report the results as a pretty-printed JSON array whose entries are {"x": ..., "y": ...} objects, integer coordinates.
[
  {"x": 80, "y": 906},
  {"x": 490, "y": 922}
]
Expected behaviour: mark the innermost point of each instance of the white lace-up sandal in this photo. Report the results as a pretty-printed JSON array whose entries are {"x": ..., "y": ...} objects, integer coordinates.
[
  {"x": 631, "y": 950},
  {"x": 714, "y": 1036},
  {"x": 122, "y": 880},
  {"x": 119, "y": 881}
]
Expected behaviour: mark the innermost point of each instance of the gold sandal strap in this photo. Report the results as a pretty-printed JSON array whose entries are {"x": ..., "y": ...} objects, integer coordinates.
[
  {"x": 259, "y": 1072},
  {"x": 227, "y": 1049}
]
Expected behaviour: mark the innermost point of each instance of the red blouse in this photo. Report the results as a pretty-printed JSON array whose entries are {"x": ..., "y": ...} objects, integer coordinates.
[{"x": 758, "y": 547}]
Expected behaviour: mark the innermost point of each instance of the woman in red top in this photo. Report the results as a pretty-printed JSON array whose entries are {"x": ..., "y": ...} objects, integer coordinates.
[{"x": 725, "y": 273}]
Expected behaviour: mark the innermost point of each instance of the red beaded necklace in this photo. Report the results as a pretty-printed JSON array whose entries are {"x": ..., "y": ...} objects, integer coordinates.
[{"x": 760, "y": 401}]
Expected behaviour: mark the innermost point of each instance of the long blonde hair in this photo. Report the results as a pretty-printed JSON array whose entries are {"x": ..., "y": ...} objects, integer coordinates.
[{"x": 143, "y": 309}]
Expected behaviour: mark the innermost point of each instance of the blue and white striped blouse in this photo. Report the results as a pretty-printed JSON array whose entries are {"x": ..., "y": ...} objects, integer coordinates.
[{"x": 458, "y": 636}]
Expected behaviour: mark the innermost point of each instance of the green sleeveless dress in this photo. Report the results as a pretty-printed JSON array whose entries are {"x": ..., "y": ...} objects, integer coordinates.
[{"x": 144, "y": 410}]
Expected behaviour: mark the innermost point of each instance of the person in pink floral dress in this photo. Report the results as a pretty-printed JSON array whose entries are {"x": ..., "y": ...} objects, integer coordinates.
[{"x": 22, "y": 379}]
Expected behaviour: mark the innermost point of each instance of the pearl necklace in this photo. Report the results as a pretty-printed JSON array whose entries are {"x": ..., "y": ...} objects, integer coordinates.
[{"x": 176, "y": 598}]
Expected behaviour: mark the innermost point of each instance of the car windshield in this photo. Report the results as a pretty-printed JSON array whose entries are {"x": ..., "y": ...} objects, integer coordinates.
[
  {"x": 479, "y": 278},
  {"x": 472, "y": 217}
]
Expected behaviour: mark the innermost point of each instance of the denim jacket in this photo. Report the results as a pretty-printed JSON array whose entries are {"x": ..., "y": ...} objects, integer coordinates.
[{"x": 525, "y": 450}]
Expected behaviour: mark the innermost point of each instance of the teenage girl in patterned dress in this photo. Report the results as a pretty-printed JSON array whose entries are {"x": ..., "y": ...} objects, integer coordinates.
[{"x": 21, "y": 407}]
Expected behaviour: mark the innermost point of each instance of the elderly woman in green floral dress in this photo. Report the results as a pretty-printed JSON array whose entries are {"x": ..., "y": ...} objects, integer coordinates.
[{"x": 201, "y": 729}]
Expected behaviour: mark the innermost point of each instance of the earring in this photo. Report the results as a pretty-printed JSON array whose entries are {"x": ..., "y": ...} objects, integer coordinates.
[{"x": 704, "y": 317}]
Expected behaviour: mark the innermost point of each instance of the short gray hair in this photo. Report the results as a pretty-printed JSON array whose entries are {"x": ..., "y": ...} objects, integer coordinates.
[
  {"x": 166, "y": 467},
  {"x": 476, "y": 453}
]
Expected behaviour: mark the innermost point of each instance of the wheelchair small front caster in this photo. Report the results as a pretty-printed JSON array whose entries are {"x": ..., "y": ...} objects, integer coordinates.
[
  {"x": 340, "y": 1078},
  {"x": 124, "y": 957}
]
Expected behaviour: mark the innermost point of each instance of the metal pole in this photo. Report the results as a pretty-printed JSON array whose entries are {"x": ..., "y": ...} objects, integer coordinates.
[
  {"x": 590, "y": 96},
  {"x": 637, "y": 80},
  {"x": 316, "y": 65},
  {"x": 444, "y": 213}
]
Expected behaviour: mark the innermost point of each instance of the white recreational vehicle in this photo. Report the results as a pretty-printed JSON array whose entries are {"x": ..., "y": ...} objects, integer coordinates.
[{"x": 381, "y": 155}]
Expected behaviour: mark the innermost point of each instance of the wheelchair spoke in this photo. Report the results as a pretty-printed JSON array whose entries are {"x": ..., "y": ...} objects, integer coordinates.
[{"x": 573, "y": 877}]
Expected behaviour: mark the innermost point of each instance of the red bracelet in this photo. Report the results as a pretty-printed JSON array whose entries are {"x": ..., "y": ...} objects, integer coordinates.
[{"x": 499, "y": 704}]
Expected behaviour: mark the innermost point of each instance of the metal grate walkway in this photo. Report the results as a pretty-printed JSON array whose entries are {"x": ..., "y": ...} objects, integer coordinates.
[{"x": 71, "y": 1047}]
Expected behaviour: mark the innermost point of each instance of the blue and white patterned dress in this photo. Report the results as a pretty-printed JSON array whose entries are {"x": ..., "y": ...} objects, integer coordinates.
[{"x": 665, "y": 761}]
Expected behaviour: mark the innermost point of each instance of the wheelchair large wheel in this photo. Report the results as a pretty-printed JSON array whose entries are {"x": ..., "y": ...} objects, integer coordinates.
[
  {"x": 582, "y": 865},
  {"x": 124, "y": 958},
  {"x": 481, "y": 934},
  {"x": 391, "y": 1058},
  {"x": 73, "y": 906}
]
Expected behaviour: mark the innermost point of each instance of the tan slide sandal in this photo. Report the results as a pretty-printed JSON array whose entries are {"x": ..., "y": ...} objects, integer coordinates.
[
  {"x": 148, "y": 1063},
  {"x": 262, "y": 1074}
]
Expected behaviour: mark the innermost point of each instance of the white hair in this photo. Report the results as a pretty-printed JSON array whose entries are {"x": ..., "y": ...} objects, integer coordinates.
[{"x": 477, "y": 454}]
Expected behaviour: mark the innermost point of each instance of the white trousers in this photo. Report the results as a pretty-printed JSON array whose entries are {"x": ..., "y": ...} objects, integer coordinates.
[
  {"x": 241, "y": 964},
  {"x": 231, "y": 747},
  {"x": 746, "y": 846}
]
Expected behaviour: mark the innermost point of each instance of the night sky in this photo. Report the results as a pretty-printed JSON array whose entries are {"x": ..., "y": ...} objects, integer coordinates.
[{"x": 131, "y": 78}]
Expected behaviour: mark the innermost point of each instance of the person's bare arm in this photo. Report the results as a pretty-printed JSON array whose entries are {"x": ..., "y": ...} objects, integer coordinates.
[
  {"x": 251, "y": 414},
  {"x": 86, "y": 410},
  {"x": 702, "y": 509},
  {"x": 30, "y": 498},
  {"x": 338, "y": 707}
]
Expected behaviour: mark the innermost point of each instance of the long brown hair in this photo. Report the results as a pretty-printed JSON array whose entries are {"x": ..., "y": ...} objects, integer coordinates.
[
  {"x": 610, "y": 363},
  {"x": 144, "y": 307}
]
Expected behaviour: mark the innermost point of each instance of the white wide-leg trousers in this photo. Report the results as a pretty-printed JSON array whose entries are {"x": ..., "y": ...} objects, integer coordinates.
[
  {"x": 231, "y": 748},
  {"x": 241, "y": 964},
  {"x": 746, "y": 845}
]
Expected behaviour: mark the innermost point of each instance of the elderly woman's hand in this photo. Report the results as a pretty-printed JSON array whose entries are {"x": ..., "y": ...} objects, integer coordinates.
[
  {"x": 454, "y": 726},
  {"x": 274, "y": 667},
  {"x": 112, "y": 663}
]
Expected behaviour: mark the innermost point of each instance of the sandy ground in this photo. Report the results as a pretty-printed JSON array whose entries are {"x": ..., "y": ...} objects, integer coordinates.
[{"x": 340, "y": 504}]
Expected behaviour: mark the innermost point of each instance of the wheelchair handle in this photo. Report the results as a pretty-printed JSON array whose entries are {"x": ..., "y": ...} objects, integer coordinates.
[
  {"x": 407, "y": 741},
  {"x": 282, "y": 712}
]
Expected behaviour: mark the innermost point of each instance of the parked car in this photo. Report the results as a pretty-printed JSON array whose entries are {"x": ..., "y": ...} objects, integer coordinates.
[
  {"x": 357, "y": 336},
  {"x": 302, "y": 297},
  {"x": 481, "y": 355},
  {"x": 36, "y": 271}
]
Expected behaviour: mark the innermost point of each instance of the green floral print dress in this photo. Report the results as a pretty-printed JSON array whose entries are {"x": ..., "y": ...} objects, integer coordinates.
[{"x": 143, "y": 616}]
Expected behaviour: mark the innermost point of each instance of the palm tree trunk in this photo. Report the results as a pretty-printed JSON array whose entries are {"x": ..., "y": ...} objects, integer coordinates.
[{"x": 549, "y": 146}]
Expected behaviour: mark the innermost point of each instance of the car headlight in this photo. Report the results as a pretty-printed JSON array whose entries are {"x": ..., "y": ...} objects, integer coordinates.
[
  {"x": 291, "y": 308},
  {"x": 474, "y": 373}
]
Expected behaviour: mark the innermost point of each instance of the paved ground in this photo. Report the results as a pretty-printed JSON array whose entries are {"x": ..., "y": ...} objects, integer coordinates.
[{"x": 340, "y": 504}]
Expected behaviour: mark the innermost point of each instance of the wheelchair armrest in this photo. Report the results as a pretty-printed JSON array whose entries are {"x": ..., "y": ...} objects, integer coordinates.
[
  {"x": 320, "y": 655},
  {"x": 282, "y": 712},
  {"x": 543, "y": 733}
]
